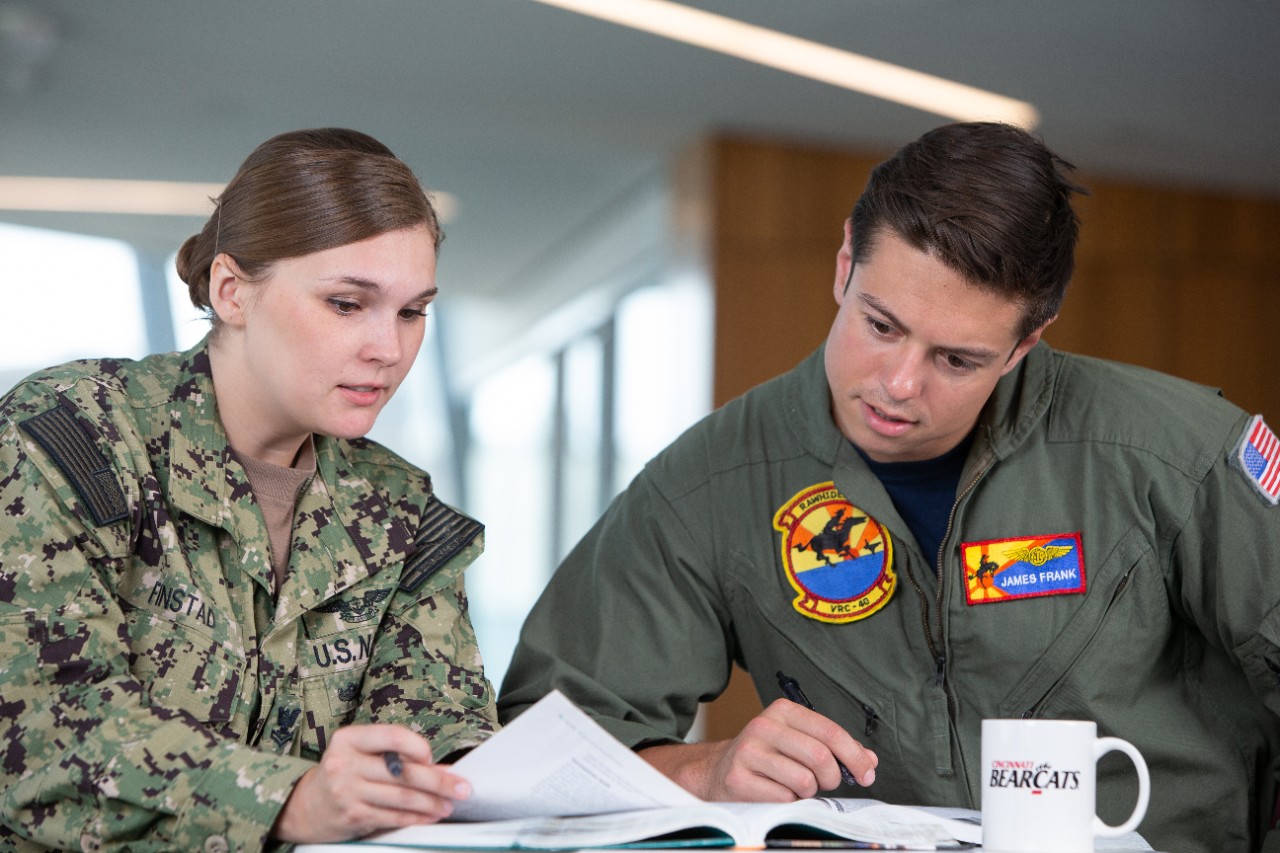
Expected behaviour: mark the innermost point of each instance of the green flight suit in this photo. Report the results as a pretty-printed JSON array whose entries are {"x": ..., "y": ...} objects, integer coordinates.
[
  {"x": 1166, "y": 631},
  {"x": 157, "y": 692}
]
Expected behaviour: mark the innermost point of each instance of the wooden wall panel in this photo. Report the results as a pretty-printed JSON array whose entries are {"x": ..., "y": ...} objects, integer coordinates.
[
  {"x": 1181, "y": 281},
  {"x": 777, "y": 223},
  {"x": 778, "y": 215},
  {"x": 1173, "y": 279}
]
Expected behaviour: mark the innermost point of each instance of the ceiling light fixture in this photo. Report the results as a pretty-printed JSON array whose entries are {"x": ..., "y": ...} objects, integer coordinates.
[
  {"x": 808, "y": 59},
  {"x": 93, "y": 195},
  {"x": 154, "y": 198}
]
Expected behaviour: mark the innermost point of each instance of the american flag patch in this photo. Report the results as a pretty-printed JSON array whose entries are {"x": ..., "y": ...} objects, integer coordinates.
[{"x": 1259, "y": 458}]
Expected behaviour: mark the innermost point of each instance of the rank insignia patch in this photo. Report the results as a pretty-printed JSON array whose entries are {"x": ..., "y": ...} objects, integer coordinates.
[
  {"x": 1025, "y": 567},
  {"x": 837, "y": 558},
  {"x": 1258, "y": 456}
]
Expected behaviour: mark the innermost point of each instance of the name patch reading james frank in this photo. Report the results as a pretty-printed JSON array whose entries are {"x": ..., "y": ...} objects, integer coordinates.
[
  {"x": 1023, "y": 567},
  {"x": 838, "y": 559}
]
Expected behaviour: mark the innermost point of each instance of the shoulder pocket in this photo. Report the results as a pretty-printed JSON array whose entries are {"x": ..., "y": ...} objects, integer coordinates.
[
  {"x": 81, "y": 461},
  {"x": 444, "y": 534}
]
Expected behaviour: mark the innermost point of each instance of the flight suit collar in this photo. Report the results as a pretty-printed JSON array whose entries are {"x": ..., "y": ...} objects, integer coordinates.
[
  {"x": 809, "y": 415},
  {"x": 1020, "y": 401},
  {"x": 808, "y": 411}
]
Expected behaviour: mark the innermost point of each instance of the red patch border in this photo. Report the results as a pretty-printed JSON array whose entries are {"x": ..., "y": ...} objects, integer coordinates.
[{"x": 964, "y": 546}]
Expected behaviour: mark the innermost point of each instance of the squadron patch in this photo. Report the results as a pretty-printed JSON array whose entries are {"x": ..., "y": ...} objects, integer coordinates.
[
  {"x": 1025, "y": 567},
  {"x": 837, "y": 558},
  {"x": 1258, "y": 456}
]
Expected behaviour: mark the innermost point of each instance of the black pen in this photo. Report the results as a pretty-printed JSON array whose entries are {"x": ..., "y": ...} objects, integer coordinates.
[
  {"x": 791, "y": 689},
  {"x": 394, "y": 765}
]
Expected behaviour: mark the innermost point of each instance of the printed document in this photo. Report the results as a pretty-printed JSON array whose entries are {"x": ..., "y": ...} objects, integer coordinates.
[{"x": 554, "y": 760}]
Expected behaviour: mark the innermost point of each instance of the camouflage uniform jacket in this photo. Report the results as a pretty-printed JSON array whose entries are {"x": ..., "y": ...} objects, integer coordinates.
[{"x": 156, "y": 690}]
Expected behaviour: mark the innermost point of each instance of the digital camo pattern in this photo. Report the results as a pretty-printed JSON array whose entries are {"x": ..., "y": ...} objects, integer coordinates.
[{"x": 157, "y": 692}]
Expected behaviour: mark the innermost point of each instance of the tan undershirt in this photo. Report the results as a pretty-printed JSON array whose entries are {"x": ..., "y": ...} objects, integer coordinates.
[{"x": 276, "y": 489}]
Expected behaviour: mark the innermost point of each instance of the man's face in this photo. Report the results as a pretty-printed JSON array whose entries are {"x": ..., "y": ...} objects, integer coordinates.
[{"x": 915, "y": 351}]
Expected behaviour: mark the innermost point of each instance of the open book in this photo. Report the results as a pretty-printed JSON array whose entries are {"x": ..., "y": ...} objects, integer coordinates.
[
  {"x": 806, "y": 823},
  {"x": 555, "y": 780}
]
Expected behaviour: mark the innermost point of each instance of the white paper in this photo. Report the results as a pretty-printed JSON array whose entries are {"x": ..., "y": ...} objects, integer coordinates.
[
  {"x": 890, "y": 824},
  {"x": 555, "y": 760},
  {"x": 920, "y": 827}
]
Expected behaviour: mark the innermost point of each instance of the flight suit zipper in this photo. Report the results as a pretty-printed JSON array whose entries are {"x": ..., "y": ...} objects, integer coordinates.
[
  {"x": 934, "y": 641},
  {"x": 939, "y": 657},
  {"x": 872, "y": 718}
]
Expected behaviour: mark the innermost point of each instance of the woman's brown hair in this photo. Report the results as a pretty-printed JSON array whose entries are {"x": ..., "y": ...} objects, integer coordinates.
[{"x": 303, "y": 192}]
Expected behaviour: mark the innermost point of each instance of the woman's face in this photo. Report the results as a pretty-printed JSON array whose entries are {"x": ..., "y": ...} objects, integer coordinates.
[{"x": 321, "y": 343}]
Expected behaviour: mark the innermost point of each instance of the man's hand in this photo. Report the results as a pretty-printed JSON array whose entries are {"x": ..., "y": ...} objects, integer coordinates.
[
  {"x": 352, "y": 791},
  {"x": 786, "y": 752}
]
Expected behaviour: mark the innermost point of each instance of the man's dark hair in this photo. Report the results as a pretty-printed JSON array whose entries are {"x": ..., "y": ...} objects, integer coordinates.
[{"x": 990, "y": 201}]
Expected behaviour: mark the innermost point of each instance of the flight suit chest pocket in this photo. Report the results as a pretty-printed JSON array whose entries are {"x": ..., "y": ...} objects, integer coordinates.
[
  {"x": 835, "y": 663},
  {"x": 1126, "y": 592}
]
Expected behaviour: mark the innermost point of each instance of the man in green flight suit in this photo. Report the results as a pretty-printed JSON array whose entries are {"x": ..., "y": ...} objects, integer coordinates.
[{"x": 1035, "y": 534}]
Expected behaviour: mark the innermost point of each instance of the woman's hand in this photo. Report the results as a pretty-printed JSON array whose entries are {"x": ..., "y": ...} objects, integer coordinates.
[{"x": 352, "y": 791}]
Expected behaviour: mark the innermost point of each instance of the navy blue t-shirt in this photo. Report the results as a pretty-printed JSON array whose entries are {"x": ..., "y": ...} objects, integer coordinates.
[{"x": 923, "y": 492}]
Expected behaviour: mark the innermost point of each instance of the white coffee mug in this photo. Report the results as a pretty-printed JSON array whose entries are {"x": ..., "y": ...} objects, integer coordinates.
[{"x": 1039, "y": 785}]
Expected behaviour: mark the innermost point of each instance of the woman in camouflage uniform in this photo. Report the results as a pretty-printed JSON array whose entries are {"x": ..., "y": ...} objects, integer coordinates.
[{"x": 226, "y": 619}]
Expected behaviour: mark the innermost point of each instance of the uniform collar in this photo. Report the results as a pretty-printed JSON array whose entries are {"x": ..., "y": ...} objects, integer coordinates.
[
  {"x": 1019, "y": 402},
  {"x": 350, "y": 529},
  {"x": 808, "y": 415},
  {"x": 809, "y": 411},
  {"x": 201, "y": 478},
  {"x": 347, "y": 523}
]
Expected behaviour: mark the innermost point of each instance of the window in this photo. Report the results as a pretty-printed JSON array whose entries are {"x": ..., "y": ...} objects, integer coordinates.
[
  {"x": 555, "y": 436},
  {"x": 66, "y": 296},
  {"x": 509, "y": 472}
]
